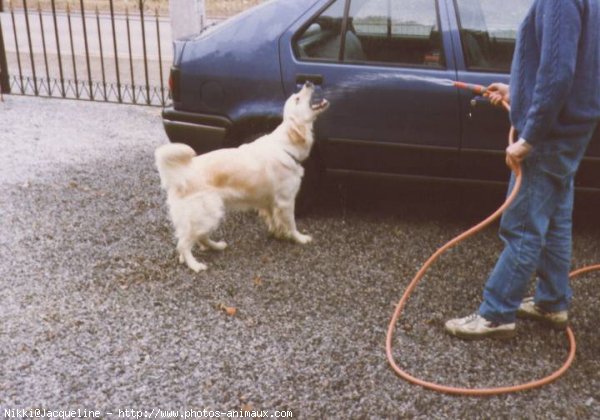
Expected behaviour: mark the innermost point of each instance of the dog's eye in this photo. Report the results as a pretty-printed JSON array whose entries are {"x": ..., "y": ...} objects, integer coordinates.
[{"x": 297, "y": 99}]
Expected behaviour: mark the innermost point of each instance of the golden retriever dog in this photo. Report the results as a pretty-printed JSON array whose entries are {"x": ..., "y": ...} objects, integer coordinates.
[{"x": 264, "y": 175}]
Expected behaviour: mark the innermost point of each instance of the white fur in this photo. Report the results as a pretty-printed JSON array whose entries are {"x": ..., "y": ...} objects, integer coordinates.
[{"x": 261, "y": 175}]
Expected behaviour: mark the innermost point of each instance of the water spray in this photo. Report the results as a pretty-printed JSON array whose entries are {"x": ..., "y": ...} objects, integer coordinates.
[{"x": 364, "y": 80}]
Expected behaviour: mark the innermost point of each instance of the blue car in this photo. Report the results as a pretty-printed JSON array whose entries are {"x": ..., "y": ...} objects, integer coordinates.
[{"x": 385, "y": 66}]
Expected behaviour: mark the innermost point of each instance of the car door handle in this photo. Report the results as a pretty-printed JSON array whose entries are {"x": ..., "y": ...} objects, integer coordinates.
[
  {"x": 479, "y": 101},
  {"x": 316, "y": 79}
]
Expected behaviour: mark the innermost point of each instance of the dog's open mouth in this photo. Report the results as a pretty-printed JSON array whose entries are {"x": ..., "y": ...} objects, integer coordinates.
[{"x": 322, "y": 104}]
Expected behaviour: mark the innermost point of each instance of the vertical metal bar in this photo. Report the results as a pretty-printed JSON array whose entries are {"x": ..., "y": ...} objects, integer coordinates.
[
  {"x": 162, "y": 85},
  {"x": 101, "y": 55},
  {"x": 60, "y": 67},
  {"x": 345, "y": 24},
  {"x": 130, "y": 56},
  {"x": 49, "y": 88},
  {"x": 389, "y": 19},
  {"x": 26, "y": 12},
  {"x": 4, "y": 81},
  {"x": 114, "y": 34},
  {"x": 12, "y": 15},
  {"x": 141, "y": 3},
  {"x": 87, "y": 50},
  {"x": 72, "y": 50}
]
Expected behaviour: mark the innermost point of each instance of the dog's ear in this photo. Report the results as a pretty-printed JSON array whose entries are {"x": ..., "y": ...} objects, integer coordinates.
[{"x": 296, "y": 132}]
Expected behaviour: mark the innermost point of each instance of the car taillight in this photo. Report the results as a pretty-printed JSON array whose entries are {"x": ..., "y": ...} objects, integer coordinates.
[{"x": 174, "y": 84}]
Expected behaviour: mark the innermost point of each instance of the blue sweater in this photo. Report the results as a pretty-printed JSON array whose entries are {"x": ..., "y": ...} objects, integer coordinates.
[{"x": 555, "y": 76}]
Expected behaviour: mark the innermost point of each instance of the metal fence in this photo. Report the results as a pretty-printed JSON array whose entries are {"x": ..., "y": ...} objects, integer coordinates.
[
  {"x": 85, "y": 54},
  {"x": 99, "y": 50}
]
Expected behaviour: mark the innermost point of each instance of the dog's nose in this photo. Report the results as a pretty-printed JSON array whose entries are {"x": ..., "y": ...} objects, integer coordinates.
[{"x": 309, "y": 84}]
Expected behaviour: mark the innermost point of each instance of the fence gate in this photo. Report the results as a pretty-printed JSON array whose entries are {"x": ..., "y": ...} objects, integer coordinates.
[
  {"x": 91, "y": 50},
  {"x": 4, "y": 83}
]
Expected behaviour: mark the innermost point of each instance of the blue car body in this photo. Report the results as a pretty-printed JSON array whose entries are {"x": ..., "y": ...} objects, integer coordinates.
[{"x": 229, "y": 84}]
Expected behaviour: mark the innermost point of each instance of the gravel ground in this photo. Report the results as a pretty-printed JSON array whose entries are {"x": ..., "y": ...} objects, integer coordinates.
[{"x": 96, "y": 313}]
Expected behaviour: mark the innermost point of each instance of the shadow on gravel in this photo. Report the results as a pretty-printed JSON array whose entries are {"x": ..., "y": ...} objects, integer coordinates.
[{"x": 438, "y": 201}]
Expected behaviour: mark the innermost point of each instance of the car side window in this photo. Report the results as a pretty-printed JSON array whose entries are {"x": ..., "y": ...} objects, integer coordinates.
[
  {"x": 401, "y": 32},
  {"x": 488, "y": 31},
  {"x": 398, "y": 31},
  {"x": 322, "y": 38}
]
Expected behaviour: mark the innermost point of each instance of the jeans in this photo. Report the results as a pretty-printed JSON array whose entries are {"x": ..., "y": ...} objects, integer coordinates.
[{"x": 537, "y": 233}]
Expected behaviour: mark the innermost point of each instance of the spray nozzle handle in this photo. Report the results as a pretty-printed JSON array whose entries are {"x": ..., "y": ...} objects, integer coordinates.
[{"x": 475, "y": 89}]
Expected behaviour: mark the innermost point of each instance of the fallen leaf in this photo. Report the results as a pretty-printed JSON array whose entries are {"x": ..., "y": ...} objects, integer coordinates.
[
  {"x": 229, "y": 310},
  {"x": 258, "y": 281}
]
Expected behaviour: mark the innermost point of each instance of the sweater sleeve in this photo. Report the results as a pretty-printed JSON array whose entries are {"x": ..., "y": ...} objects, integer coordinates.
[{"x": 558, "y": 28}]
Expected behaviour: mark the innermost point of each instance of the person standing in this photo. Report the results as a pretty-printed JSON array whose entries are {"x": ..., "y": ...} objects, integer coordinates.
[{"x": 554, "y": 94}]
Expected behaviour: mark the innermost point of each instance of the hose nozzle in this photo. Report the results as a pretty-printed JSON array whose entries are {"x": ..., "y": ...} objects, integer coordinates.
[{"x": 476, "y": 89}]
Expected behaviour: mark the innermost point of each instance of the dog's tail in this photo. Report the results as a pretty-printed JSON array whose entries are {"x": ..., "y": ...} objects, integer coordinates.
[{"x": 173, "y": 161}]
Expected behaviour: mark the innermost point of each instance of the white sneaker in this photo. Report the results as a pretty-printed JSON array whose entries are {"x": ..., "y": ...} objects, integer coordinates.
[
  {"x": 475, "y": 326},
  {"x": 529, "y": 310}
]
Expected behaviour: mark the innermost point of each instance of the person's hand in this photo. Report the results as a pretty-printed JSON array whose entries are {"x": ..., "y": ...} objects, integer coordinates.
[
  {"x": 516, "y": 153},
  {"x": 498, "y": 93}
]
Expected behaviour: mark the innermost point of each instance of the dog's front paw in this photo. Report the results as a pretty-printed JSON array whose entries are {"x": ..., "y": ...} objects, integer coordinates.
[{"x": 302, "y": 239}]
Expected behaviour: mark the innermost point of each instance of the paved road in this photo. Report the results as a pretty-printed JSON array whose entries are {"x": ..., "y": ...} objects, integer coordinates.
[
  {"x": 132, "y": 70},
  {"x": 92, "y": 33},
  {"x": 96, "y": 313}
]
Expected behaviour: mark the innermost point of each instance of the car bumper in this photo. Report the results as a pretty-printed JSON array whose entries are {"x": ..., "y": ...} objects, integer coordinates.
[{"x": 202, "y": 132}]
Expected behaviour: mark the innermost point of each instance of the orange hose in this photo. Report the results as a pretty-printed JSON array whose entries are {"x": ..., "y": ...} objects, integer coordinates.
[
  {"x": 421, "y": 273},
  {"x": 476, "y": 89}
]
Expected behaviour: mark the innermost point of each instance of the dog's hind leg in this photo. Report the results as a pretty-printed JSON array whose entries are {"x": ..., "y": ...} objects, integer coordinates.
[
  {"x": 267, "y": 215},
  {"x": 209, "y": 218},
  {"x": 184, "y": 247},
  {"x": 196, "y": 219},
  {"x": 210, "y": 244}
]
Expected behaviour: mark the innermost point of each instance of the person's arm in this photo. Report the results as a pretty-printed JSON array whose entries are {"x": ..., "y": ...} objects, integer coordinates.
[
  {"x": 516, "y": 152},
  {"x": 559, "y": 35}
]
